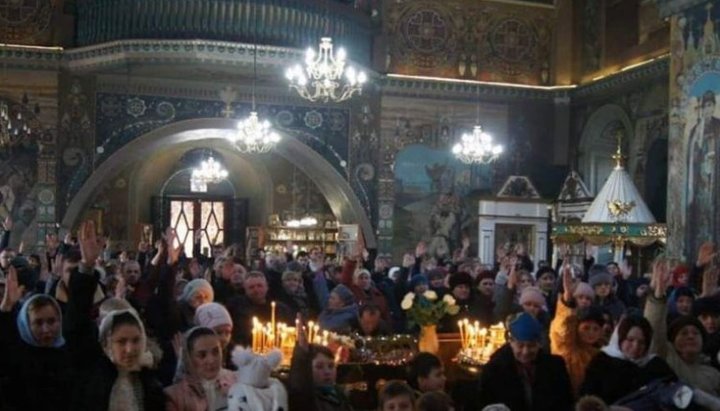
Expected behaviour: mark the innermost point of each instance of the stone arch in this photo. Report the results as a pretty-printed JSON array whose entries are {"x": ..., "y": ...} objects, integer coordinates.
[
  {"x": 342, "y": 200},
  {"x": 597, "y": 147}
]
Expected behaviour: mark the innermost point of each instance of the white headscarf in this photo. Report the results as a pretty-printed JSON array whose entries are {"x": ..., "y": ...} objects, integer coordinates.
[
  {"x": 613, "y": 350},
  {"x": 104, "y": 335}
]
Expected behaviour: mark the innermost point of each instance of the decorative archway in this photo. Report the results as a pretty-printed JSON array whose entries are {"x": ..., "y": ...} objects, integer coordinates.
[
  {"x": 342, "y": 200},
  {"x": 597, "y": 144}
]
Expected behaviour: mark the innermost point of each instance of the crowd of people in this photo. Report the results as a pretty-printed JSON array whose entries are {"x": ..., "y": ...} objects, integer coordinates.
[{"x": 90, "y": 327}]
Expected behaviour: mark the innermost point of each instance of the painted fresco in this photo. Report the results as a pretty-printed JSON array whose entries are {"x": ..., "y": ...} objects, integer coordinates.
[
  {"x": 18, "y": 196},
  {"x": 435, "y": 199},
  {"x": 694, "y": 130},
  {"x": 19, "y": 186},
  {"x": 489, "y": 41}
]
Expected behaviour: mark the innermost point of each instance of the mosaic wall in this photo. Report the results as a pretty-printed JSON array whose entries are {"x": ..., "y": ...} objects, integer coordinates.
[
  {"x": 471, "y": 40},
  {"x": 426, "y": 194},
  {"x": 346, "y": 137},
  {"x": 27, "y": 163},
  {"x": 694, "y": 188}
]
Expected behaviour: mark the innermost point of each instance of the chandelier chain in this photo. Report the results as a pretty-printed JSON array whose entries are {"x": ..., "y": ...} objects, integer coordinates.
[{"x": 255, "y": 136}]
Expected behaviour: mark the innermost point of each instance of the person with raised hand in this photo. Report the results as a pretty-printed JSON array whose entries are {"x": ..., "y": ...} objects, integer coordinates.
[
  {"x": 575, "y": 334},
  {"x": 680, "y": 343},
  {"x": 36, "y": 371},
  {"x": 312, "y": 383},
  {"x": 628, "y": 355},
  {"x": 112, "y": 365}
]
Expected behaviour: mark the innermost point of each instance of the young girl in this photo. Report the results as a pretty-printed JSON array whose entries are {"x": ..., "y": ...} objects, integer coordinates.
[
  {"x": 312, "y": 381},
  {"x": 201, "y": 384},
  {"x": 113, "y": 367},
  {"x": 396, "y": 396}
]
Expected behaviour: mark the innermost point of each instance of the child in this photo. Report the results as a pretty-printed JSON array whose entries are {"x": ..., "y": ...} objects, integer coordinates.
[
  {"x": 426, "y": 374},
  {"x": 396, "y": 396},
  {"x": 435, "y": 401},
  {"x": 312, "y": 380}
]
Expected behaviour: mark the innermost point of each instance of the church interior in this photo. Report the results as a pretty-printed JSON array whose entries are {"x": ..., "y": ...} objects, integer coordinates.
[{"x": 424, "y": 140}]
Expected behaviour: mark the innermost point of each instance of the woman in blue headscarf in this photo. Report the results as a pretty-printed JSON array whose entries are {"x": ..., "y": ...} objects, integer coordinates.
[{"x": 36, "y": 371}]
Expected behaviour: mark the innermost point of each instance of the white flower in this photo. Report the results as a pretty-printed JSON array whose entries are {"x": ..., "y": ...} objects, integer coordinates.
[
  {"x": 448, "y": 299},
  {"x": 407, "y": 302},
  {"x": 430, "y": 295}
]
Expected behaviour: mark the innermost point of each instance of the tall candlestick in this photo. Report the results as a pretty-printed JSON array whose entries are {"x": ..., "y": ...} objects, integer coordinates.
[
  {"x": 462, "y": 337},
  {"x": 272, "y": 319}
]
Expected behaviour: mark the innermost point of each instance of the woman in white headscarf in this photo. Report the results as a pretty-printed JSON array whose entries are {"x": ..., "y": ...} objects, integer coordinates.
[
  {"x": 201, "y": 384},
  {"x": 627, "y": 355},
  {"x": 112, "y": 360}
]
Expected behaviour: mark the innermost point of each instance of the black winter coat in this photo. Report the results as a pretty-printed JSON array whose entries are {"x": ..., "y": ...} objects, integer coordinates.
[
  {"x": 613, "y": 378},
  {"x": 33, "y": 378},
  {"x": 97, "y": 373},
  {"x": 500, "y": 382}
]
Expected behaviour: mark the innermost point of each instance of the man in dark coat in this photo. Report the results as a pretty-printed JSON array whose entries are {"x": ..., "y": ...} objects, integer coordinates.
[
  {"x": 255, "y": 303},
  {"x": 523, "y": 377}
]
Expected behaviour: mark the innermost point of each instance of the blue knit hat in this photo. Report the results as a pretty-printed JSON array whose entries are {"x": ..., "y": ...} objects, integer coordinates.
[{"x": 525, "y": 328}]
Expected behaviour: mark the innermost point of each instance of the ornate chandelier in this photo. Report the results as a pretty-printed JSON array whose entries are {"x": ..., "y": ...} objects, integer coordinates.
[
  {"x": 210, "y": 171},
  {"x": 255, "y": 136},
  {"x": 477, "y": 148},
  {"x": 13, "y": 127},
  {"x": 325, "y": 77}
]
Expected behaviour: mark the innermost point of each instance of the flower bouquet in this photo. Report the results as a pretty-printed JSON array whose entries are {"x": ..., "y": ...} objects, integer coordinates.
[{"x": 425, "y": 310}]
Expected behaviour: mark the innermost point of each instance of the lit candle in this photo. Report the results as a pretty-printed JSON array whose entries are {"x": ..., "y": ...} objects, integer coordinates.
[
  {"x": 467, "y": 326},
  {"x": 462, "y": 338},
  {"x": 272, "y": 320},
  {"x": 255, "y": 334},
  {"x": 310, "y": 332}
]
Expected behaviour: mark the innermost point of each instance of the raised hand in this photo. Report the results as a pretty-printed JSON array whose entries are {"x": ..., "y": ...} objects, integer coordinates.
[
  {"x": 90, "y": 247},
  {"x": 500, "y": 252},
  {"x": 120, "y": 288},
  {"x": 173, "y": 251},
  {"x": 143, "y": 247},
  {"x": 513, "y": 279},
  {"x": 8, "y": 223},
  {"x": 13, "y": 291},
  {"x": 625, "y": 269},
  {"x": 420, "y": 249},
  {"x": 706, "y": 253},
  {"x": 710, "y": 281},
  {"x": 408, "y": 260},
  {"x": 660, "y": 277},
  {"x": 465, "y": 242},
  {"x": 359, "y": 246}
]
